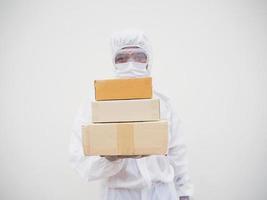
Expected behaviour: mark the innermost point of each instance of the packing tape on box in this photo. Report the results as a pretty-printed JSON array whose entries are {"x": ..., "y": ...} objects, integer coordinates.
[{"x": 125, "y": 138}]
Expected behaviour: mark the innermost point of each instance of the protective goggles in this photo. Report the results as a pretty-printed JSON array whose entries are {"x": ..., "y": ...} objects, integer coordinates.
[{"x": 131, "y": 55}]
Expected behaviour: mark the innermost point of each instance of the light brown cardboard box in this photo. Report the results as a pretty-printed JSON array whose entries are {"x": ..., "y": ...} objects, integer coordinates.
[
  {"x": 126, "y": 110},
  {"x": 136, "y": 138},
  {"x": 126, "y": 88}
]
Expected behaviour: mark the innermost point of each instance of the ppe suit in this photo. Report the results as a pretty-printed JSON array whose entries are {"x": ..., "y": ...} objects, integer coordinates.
[{"x": 155, "y": 177}]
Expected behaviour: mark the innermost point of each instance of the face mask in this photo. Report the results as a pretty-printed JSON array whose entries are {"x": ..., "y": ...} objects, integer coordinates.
[{"x": 131, "y": 69}]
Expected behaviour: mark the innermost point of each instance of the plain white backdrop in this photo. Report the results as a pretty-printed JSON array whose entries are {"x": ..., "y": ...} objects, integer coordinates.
[{"x": 209, "y": 57}]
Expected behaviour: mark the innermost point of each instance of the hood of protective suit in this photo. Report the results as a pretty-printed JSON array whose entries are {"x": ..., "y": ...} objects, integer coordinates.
[{"x": 131, "y": 38}]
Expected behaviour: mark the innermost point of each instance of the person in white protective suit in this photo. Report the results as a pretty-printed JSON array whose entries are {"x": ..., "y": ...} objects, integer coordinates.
[{"x": 155, "y": 177}]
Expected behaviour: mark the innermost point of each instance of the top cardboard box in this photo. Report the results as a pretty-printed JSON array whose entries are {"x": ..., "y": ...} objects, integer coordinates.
[{"x": 126, "y": 88}]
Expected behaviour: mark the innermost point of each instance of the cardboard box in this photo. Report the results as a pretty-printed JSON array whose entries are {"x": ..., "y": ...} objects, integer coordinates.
[
  {"x": 126, "y": 88},
  {"x": 126, "y": 110},
  {"x": 136, "y": 138}
]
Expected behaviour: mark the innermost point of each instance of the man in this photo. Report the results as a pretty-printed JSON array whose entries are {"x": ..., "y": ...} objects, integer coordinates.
[{"x": 155, "y": 177}]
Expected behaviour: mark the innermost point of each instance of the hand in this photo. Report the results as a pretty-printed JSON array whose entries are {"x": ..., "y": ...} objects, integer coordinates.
[
  {"x": 114, "y": 158},
  {"x": 111, "y": 158}
]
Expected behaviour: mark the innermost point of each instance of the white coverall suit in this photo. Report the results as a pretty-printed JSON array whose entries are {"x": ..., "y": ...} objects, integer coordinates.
[{"x": 155, "y": 177}]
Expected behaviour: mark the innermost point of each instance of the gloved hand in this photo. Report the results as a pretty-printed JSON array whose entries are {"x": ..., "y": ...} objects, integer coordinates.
[
  {"x": 184, "y": 198},
  {"x": 114, "y": 158}
]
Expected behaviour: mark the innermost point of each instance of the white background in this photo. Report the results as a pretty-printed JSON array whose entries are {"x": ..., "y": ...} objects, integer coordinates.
[{"x": 210, "y": 58}]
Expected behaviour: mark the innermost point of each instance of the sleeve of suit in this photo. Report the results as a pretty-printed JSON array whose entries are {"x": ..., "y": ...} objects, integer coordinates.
[
  {"x": 178, "y": 158},
  {"x": 88, "y": 167}
]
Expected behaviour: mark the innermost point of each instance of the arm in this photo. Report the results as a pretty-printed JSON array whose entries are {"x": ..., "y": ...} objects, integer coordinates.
[
  {"x": 89, "y": 167},
  {"x": 177, "y": 158}
]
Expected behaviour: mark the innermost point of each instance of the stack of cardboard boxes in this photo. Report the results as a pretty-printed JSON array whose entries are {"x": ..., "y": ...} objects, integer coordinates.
[{"x": 125, "y": 120}]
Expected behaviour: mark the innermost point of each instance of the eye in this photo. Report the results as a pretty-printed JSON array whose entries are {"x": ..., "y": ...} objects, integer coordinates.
[
  {"x": 140, "y": 57},
  {"x": 120, "y": 59}
]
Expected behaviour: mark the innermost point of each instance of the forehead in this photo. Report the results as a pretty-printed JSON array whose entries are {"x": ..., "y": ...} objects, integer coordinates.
[{"x": 131, "y": 49}]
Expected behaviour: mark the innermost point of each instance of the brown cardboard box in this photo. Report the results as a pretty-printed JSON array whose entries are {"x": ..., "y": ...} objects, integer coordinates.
[
  {"x": 126, "y": 88},
  {"x": 126, "y": 110},
  {"x": 136, "y": 138}
]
